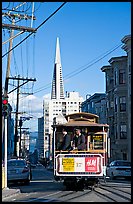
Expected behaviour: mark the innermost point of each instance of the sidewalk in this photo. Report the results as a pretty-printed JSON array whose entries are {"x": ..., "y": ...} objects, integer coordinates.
[{"x": 8, "y": 192}]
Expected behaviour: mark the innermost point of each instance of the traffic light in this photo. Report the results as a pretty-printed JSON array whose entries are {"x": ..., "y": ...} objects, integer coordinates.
[{"x": 5, "y": 107}]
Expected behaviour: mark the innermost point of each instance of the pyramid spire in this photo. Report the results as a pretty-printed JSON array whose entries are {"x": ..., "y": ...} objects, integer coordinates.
[
  {"x": 57, "y": 54},
  {"x": 57, "y": 83}
]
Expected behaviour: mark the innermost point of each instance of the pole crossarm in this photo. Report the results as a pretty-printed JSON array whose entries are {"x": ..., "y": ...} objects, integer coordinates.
[
  {"x": 20, "y": 16},
  {"x": 17, "y": 78},
  {"x": 20, "y": 112},
  {"x": 15, "y": 27},
  {"x": 23, "y": 128},
  {"x": 25, "y": 93}
]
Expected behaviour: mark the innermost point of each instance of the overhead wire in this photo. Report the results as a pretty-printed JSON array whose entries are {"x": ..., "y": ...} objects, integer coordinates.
[
  {"x": 22, "y": 66},
  {"x": 38, "y": 7},
  {"x": 95, "y": 61},
  {"x": 33, "y": 74},
  {"x": 7, "y": 6},
  {"x": 74, "y": 72},
  {"x": 18, "y": 11},
  {"x": 15, "y": 64},
  {"x": 79, "y": 70},
  {"x": 36, "y": 28},
  {"x": 103, "y": 54}
]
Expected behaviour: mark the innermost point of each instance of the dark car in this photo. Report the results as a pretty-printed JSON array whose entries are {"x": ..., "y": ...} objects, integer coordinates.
[
  {"x": 119, "y": 168},
  {"x": 18, "y": 170}
]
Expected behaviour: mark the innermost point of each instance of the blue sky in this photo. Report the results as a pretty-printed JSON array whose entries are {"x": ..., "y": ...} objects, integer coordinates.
[{"x": 87, "y": 31}]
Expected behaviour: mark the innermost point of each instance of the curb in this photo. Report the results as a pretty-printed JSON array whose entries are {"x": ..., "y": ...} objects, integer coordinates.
[{"x": 7, "y": 192}]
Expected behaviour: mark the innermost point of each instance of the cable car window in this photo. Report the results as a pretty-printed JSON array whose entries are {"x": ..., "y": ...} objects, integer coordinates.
[{"x": 97, "y": 141}]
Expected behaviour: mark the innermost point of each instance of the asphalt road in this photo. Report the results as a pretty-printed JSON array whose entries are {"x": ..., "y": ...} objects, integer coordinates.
[{"x": 43, "y": 188}]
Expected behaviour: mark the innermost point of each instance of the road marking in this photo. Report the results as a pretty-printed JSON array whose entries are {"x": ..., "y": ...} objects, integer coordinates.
[
  {"x": 44, "y": 197},
  {"x": 41, "y": 181}
]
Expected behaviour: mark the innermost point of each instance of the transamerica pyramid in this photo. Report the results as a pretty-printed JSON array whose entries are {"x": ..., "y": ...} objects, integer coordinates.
[{"x": 57, "y": 83}]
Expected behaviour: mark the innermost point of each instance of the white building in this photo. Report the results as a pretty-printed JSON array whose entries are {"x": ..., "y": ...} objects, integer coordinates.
[
  {"x": 25, "y": 142},
  {"x": 58, "y": 104}
]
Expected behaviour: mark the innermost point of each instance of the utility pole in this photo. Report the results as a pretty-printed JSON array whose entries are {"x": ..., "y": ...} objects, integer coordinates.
[
  {"x": 8, "y": 62},
  {"x": 16, "y": 124},
  {"x": 12, "y": 27},
  {"x": 20, "y": 125},
  {"x": 16, "y": 153},
  {"x": 5, "y": 95}
]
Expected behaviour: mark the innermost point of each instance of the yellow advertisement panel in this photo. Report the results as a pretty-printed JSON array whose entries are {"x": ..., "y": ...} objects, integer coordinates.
[{"x": 68, "y": 164}]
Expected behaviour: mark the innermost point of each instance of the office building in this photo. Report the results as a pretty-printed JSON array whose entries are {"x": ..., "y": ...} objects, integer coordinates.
[{"x": 59, "y": 104}]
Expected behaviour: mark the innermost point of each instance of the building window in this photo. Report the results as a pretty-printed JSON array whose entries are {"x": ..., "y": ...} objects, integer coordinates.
[
  {"x": 124, "y": 156},
  {"x": 122, "y": 104},
  {"x": 116, "y": 104},
  {"x": 129, "y": 68},
  {"x": 107, "y": 104},
  {"x": 122, "y": 76},
  {"x": 123, "y": 132},
  {"x": 116, "y": 77},
  {"x": 107, "y": 78},
  {"x": 111, "y": 104},
  {"x": 116, "y": 135}
]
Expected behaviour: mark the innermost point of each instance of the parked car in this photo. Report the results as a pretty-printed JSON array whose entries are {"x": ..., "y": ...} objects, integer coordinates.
[
  {"x": 119, "y": 168},
  {"x": 18, "y": 170}
]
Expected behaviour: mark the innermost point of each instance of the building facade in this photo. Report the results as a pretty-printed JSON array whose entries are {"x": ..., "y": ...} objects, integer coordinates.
[
  {"x": 127, "y": 47},
  {"x": 117, "y": 106},
  {"x": 96, "y": 104}
]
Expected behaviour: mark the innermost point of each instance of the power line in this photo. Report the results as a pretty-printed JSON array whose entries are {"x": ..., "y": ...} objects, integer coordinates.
[
  {"x": 95, "y": 62},
  {"x": 35, "y": 29},
  {"x": 77, "y": 71}
]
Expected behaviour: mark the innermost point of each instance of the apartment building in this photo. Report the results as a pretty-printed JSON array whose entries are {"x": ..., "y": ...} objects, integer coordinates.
[
  {"x": 127, "y": 47},
  {"x": 117, "y": 106},
  {"x": 96, "y": 104}
]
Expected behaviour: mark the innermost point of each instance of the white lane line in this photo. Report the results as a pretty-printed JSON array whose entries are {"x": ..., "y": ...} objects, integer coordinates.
[{"x": 44, "y": 196}]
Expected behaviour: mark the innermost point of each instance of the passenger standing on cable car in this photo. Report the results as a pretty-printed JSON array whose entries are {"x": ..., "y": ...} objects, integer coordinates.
[
  {"x": 79, "y": 140},
  {"x": 66, "y": 144}
]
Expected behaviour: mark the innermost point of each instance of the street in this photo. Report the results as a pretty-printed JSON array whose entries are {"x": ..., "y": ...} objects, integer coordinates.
[{"x": 43, "y": 188}]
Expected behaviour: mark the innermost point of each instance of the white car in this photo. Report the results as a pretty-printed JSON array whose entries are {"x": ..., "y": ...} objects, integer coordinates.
[
  {"x": 18, "y": 170},
  {"x": 119, "y": 168}
]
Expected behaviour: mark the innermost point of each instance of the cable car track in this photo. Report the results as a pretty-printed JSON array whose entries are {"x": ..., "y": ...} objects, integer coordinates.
[{"x": 114, "y": 193}]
